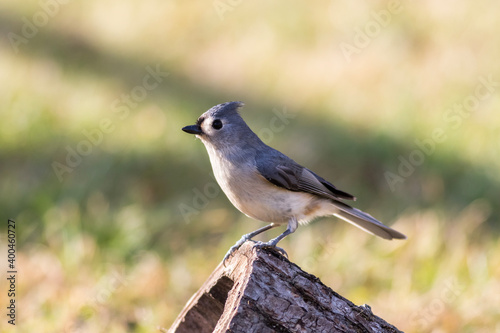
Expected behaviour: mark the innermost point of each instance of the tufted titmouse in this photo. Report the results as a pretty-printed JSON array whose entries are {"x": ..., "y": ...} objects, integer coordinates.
[{"x": 267, "y": 185}]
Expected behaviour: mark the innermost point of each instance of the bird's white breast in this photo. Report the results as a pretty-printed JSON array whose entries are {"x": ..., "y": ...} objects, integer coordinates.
[{"x": 258, "y": 198}]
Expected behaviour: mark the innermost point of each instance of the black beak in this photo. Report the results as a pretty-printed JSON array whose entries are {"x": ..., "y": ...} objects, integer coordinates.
[{"x": 193, "y": 129}]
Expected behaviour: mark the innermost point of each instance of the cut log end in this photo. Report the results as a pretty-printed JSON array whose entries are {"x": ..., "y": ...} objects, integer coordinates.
[{"x": 261, "y": 291}]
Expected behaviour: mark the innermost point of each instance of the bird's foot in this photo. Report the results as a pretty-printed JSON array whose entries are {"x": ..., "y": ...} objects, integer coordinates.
[
  {"x": 235, "y": 247},
  {"x": 247, "y": 237},
  {"x": 272, "y": 245}
]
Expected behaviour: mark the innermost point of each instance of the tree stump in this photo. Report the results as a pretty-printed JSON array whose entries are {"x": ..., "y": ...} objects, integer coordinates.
[{"x": 261, "y": 291}]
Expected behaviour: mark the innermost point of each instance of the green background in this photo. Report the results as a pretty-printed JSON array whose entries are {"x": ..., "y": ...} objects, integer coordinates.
[{"x": 133, "y": 225}]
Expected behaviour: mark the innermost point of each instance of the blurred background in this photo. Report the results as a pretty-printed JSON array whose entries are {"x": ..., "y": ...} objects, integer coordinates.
[{"x": 118, "y": 217}]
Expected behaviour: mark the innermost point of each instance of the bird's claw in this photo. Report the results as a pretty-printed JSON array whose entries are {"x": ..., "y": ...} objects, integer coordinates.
[
  {"x": 262, "y": 245},
  {"x": 230, "y": 252},
  {"x": 235, "y": 247},
  {"x": 258, "y": 245}
]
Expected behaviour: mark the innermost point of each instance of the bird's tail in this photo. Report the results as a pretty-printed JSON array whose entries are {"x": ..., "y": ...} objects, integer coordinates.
[{"x": 365, "y": 221}]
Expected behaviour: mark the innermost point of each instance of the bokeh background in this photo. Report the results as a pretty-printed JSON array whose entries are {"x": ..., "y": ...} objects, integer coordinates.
[{"x": 119, "y": 220}]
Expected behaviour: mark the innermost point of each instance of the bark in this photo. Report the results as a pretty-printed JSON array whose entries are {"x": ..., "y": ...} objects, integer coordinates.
[{"x": 261, "y": 291}]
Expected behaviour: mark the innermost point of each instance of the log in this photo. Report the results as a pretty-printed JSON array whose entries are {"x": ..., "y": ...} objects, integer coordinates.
[{"x": 261, "y": 291}]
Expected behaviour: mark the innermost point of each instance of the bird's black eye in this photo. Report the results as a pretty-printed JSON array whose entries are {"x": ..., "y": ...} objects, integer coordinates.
[{"x": 217, "y": 124}]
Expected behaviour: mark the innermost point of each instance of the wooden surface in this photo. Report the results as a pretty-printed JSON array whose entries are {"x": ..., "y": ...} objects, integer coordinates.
[{"x": 261, "y": 291}]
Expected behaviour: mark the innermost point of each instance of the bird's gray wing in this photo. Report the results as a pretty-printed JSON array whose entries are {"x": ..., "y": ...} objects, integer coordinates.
[{"x": 284, "y": 172}]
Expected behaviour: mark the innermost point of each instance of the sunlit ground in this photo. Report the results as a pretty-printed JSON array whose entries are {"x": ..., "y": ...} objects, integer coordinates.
[{"x": 118, "y": 219}]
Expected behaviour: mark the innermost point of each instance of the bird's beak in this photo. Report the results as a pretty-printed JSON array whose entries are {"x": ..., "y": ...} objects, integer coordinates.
[{"x": 193, "y": 129}]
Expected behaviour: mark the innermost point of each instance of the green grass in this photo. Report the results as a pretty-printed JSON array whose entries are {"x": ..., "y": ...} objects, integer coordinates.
[{"x": 108, "y": 248}]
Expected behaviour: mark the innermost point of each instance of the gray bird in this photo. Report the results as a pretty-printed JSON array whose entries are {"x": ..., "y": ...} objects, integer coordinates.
[{"x": 266, "y": 185}]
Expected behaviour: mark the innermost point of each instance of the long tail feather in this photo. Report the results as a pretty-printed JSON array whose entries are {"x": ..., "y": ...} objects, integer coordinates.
[{"x": 365, "y": 222}]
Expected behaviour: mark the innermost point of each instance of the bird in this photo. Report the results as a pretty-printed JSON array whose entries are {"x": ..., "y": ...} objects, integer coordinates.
[{"x": 266, "y": 185}]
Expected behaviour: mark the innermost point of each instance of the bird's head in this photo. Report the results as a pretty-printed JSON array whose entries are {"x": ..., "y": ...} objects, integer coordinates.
[{"x": 221, "y": 126}]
